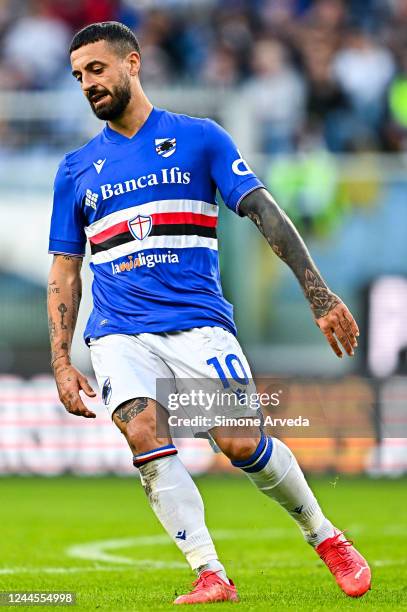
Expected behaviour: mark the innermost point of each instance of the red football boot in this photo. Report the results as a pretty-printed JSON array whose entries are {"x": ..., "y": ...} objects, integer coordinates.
[
  {"x": 350, "y": 569},
  {"x": 209, "y": 588}
]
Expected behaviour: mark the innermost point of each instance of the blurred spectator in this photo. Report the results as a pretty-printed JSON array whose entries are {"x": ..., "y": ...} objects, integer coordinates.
[
  {"x": 394, "y": 29},
  {"x": 320, "y": 29},
  {"x": 234, "y": 31},
  {"x": 307, "y": 186},
  {"x": 398, "y": 100},
  {"x": 276, "y": 96},
  {"x": 222, "y": 68},
  {"x": 298, "y": 64},
  {"x": 35, "y": 47},
  {"x": 6, "y": 15},
  {"x": 397, "y": 106},
  {"x": 325, "y": 94},
  {"x": 78, "y": 13},
  {"x": 364, "y": 70},
  {"x": 168, "y": 46},
  {"x": 327, "y": 103},
  {"x": 156, "y": 68},
  {"x": 276, "y": 14},
  {"x": 326, "y": 15}
]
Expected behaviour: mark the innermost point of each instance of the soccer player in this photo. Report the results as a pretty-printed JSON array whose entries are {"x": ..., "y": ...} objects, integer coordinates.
[{"x": 142, "y": 192}]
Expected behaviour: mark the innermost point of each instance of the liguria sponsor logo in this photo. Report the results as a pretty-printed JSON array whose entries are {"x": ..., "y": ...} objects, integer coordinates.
[
  {"x": 167, "y": 176},
  {"x": 151, "y": 260}
]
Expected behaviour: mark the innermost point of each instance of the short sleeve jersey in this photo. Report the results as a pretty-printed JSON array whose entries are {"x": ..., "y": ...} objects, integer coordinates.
[{"x": 147, "y": 206}]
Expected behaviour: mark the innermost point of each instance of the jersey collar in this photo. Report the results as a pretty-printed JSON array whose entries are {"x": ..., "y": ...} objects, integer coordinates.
[{"x": 151, "y": 120}]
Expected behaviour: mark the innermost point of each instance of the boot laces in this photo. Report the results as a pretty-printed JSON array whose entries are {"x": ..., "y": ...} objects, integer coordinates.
[
  {"x": 338, "y": 556},
  {"x": 206, "y": 579}
]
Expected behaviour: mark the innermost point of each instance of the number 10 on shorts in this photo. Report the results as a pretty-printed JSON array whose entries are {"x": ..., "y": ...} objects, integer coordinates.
[{"x": 234, "y": 367}]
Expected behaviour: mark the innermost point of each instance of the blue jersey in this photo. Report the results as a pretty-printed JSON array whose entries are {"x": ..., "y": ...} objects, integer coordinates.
[{"x": 147, "y": 206}]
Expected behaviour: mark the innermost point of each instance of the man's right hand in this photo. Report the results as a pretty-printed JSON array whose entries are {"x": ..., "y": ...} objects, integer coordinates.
[{"x": 69, "y": 382}]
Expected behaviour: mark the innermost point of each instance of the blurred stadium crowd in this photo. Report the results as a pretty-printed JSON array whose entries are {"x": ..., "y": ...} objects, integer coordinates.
[
  {"x": 332, "y": 72},
  {"x": 299, "y": 84}
]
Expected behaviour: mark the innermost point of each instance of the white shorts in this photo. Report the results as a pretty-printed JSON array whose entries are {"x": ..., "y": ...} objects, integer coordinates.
[{"x": 170, "y": 364}]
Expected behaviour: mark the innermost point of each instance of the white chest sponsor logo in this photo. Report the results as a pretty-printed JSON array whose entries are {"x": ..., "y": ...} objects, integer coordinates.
[
  {"x": 99, "y": 165},
  {"x": 150, "y": 260},
  {"x": 167, "y": 176},
  {"x": 165, "y": 146}
]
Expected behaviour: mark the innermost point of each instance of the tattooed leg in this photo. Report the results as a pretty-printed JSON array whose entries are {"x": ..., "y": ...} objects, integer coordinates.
[
  {"x": 143, "y": 422},
  {"x": 125, "y": 412},
  {"x": 171, "y": 492}
]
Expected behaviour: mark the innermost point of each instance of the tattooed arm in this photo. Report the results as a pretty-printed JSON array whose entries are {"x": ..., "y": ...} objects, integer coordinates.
[
  {"x": 64, "y": 295},
  {"x": 330, "y": 313}
]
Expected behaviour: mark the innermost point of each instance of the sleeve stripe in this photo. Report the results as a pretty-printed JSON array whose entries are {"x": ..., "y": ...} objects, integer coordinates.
[
  {"x": 66, "y": 253},
  {"x": 246, "y": 194}
]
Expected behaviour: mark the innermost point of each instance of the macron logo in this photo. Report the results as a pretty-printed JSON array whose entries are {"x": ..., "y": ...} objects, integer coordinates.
[{"x": 99, "y": 165}]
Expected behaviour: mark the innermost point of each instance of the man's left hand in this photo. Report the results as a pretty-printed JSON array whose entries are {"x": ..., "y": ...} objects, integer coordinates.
[{"x": 339, "y": 325}]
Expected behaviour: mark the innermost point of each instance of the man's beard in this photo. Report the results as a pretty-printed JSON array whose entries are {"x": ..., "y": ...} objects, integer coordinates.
[{"x": 111, "y": 109}]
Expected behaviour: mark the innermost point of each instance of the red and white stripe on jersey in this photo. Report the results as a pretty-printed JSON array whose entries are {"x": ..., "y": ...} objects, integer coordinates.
[{"x": 174, "y": 224}]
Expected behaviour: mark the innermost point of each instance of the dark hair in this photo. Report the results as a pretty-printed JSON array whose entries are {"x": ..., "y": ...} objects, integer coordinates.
[{"x": 113, "y": 32}]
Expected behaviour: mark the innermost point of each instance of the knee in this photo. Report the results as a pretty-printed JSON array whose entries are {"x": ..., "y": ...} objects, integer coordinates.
[
  {"x": 238, "y": 449},
  {"x": 142, "y": 437},
  {"x": 138, "y": 422}
]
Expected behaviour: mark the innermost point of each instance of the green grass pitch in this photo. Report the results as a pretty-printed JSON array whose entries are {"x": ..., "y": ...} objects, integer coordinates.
[{"x": 98, "y": 538}]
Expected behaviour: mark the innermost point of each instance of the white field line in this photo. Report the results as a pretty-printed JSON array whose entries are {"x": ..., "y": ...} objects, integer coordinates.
[
  {"x": 60, "y": 570},
  {"x": 166, "y": 565},
  {"x": 98, "y": 552}
]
